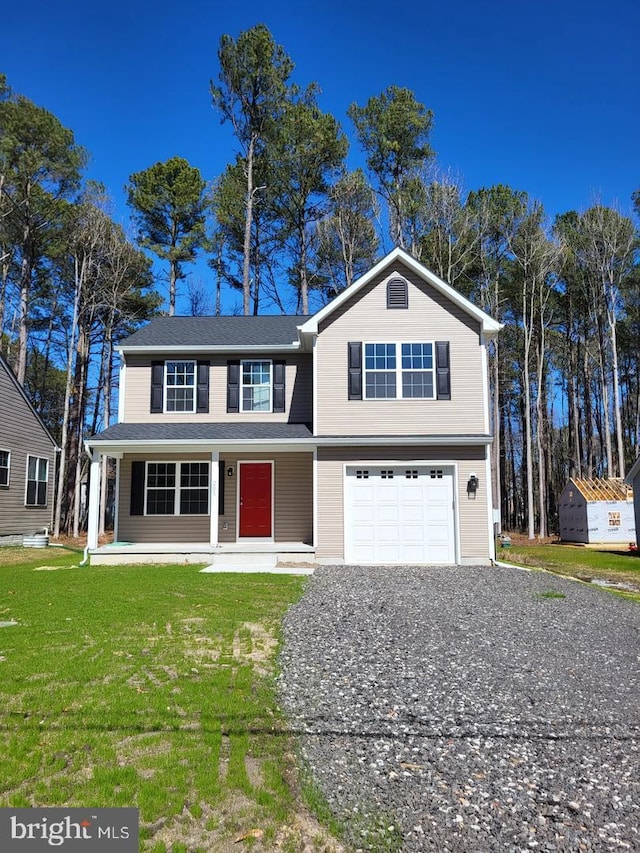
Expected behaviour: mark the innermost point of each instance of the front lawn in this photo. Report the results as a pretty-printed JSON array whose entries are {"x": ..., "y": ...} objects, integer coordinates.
[
  {"x": 147, "y": 686},
  {"x": 588, "y": 564}
]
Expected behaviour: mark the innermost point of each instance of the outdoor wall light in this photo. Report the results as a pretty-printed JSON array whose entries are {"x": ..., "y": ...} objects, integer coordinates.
[
  {"x": 230, "y": 471},
  {"x": 472, "y": 485}
]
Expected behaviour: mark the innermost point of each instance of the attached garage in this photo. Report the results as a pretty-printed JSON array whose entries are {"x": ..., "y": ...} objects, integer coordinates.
[{"x": 399, "y": 513}]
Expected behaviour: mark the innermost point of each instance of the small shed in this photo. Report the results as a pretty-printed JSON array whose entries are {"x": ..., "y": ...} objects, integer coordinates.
[
  {"x": 633, "y": 479},
  {"x": 597, "y": 511}
]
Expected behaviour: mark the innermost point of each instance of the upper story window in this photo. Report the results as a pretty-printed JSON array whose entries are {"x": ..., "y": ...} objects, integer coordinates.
[
  {"x": 417, "y": 370},
  {"x": 5, "y": 466},
  {"x": 398, "y": 371},
  {"x": 256, "y": 386},
  {"x": 37, "y": 476},
  {"x": 180, "y": 386},
  {"x": 380, "y": 371}
]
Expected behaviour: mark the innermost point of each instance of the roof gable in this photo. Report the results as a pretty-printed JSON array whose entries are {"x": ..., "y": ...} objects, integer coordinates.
[
  {"x": 488, "y": 325},
  {"x": 281, "y": 332},
  {"x": 602, "y": 489},
  {"x": 14, "y": 381}
]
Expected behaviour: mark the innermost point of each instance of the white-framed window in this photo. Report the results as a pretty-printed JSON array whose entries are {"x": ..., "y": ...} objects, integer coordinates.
[
  {"x": 255, "y": 380},
  {"x": 37, "y": 476},
  {"x": 380, "y": 371},
  {"x": 177, "y": 488},
  {"x": 5, "y": 467},
  {"x": 417, "y": 370},
  {"x": 399, "y": 370},
  {"x": 180, "y": 386}
]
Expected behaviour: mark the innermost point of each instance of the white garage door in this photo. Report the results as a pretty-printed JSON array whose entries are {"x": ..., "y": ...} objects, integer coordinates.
[{"x": 399, "y": 514}]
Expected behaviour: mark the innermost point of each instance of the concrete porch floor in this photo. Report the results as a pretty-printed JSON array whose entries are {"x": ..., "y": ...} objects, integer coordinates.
[{"x": 227, "y": 556}]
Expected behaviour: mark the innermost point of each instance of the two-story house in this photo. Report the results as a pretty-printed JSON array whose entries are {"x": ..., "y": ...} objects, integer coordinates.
[{"x": 357, "y": 435}]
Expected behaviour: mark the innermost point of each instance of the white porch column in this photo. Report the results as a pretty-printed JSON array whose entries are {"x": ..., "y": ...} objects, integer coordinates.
[
  {"x": 214, "y": 491},
  {"x": 94, "y": 501}
]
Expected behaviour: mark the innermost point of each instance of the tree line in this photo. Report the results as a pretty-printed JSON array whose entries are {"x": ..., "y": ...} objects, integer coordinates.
[{"x": 287, "y": 226}]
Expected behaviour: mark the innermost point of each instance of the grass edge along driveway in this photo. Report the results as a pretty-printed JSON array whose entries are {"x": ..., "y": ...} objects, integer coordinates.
[
  {"x": 149, "y": 686},
  {"x": 612, "y": 568}
]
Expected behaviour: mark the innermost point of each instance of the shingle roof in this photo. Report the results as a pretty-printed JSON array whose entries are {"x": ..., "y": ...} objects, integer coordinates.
[
  {"x": 263, "y": 330},
  {"x": 181, "y": 432}
]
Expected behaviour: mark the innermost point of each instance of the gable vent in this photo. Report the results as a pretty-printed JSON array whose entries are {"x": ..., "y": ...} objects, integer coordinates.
[{"x": 397, "y": 293}]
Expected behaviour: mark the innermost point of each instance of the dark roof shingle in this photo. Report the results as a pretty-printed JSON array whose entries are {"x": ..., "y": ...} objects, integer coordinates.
[
  {"x": 263, "y": 330},
  {"x": 172, "y": 432}
]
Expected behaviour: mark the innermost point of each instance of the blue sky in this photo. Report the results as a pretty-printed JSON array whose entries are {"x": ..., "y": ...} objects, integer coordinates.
[{"x": 544, "y": 96}]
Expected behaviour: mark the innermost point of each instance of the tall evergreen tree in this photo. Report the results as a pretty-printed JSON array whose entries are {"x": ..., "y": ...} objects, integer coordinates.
[
  {"x": 309, "y": 150},
  {"x": 169, "y": 206},
  {"x": 40, "y": 167},
  {"x": 393, "y": 130},
  {"x": 251, "y": 95}
]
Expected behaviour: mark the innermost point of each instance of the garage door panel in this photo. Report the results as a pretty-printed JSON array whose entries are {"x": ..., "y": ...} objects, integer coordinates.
[
  {"x": 438, "y": 515},
  {"x": 386, "y": 534},
  {"x": 394, "y": 518},
  {"x": 385, "y": 514},
  {"x": 413, "y": 514}
]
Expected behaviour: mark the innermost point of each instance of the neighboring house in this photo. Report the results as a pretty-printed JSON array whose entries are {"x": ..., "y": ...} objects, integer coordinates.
[
  {"x": 27, "y": 461},
  {"x": 633, "y": 479},
  {"x": 596, "y": 511},
  {"x": 357, "y": 435}
]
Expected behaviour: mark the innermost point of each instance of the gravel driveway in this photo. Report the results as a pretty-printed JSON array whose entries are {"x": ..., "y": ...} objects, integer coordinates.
[{"x": 468, "y": 708}]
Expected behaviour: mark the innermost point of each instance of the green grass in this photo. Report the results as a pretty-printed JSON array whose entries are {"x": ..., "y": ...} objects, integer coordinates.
[
  {"x": 146, "y": 686},
  {"x": 587, "y": 564},
  {"x": 551, "y": 593}
]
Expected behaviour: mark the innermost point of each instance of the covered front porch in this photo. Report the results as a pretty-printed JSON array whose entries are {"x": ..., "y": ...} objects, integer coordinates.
[
  {"x": 230, "y": 556},
  {"x": 233, "y": 503}
]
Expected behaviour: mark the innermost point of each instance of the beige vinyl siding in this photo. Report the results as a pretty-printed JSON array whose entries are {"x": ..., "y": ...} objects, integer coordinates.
[
  {"x": 430, "y": 317},
  {"x": 298, "y": 392},
  {"x": 472, "y": 512},
  {"x": 158, "y": 528},
  {"x": 22, "y": 434},
  {"x": 293, "y": 495},
  {"x": 293, "y": 501}
]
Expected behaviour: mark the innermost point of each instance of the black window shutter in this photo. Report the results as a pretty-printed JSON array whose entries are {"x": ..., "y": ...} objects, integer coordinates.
[
  {"x": 443, "y": 371},
  {"x": 221, "y": 470},
  {"x": 202, "y": 399},
  {"x": 233, "y": 386},
  {"x": 137, "y": 488},
  {"x": 278, "y": 386},
  {"x": 157, "y": 385},
  {"x": 355, "y": 370}
]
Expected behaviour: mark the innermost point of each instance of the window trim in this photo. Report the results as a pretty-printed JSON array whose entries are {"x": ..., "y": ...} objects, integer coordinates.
[
  {"x": 38, "y": 459},
  {"x": 177, "y": 487},
  {"x": 268, "y": 385},
  {"x": 166, "y": 387},
  {"x": 399, "y": 370},
  {"x": 6, "y": 467}
]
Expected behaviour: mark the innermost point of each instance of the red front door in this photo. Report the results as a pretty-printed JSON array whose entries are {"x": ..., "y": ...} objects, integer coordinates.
[{"x": 255, "y": 499}]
